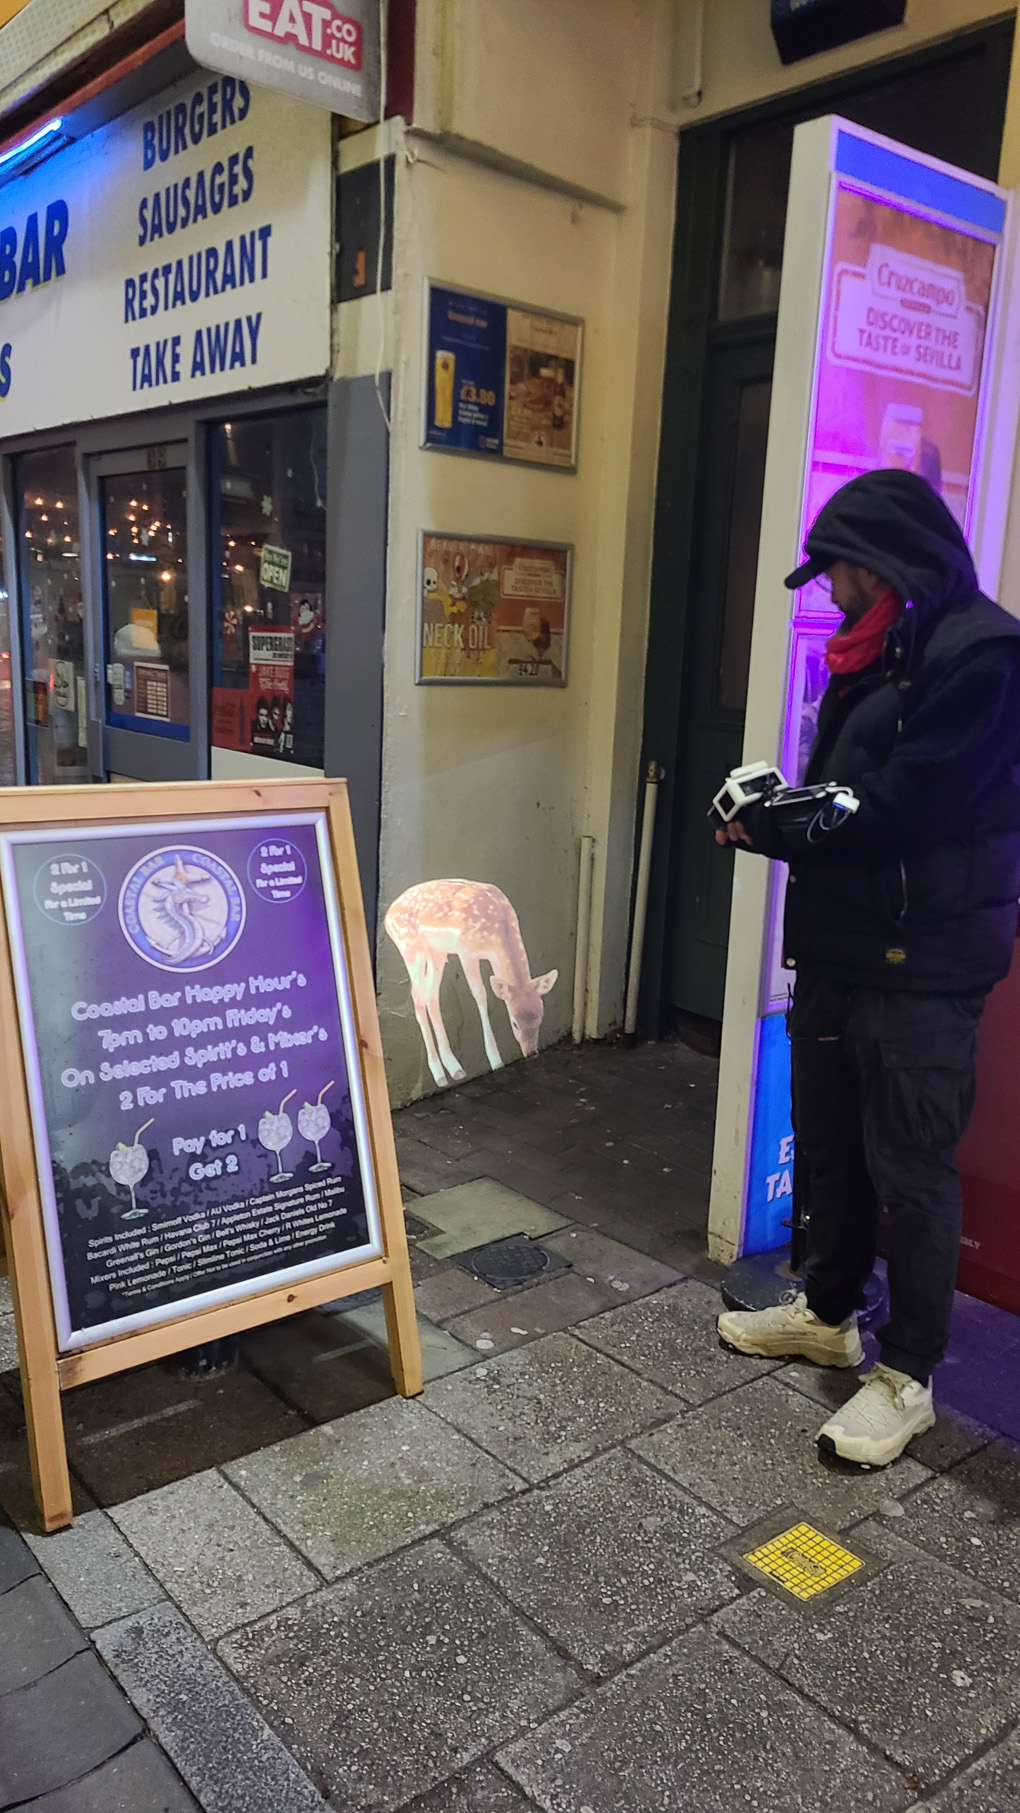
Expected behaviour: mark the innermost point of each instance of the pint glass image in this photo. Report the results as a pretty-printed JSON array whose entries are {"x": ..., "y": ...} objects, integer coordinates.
[{"x": 443, "y": 406}]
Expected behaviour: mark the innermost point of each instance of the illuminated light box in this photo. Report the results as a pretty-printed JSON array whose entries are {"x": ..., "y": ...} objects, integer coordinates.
[{"x": 904, "y": 264}]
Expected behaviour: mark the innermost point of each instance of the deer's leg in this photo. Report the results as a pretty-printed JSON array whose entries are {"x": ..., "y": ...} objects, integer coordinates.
[
  {"x": 418, "y": 969},
  {"x": 473, "y": 972},
  {"x": 445, "y": 1049}
]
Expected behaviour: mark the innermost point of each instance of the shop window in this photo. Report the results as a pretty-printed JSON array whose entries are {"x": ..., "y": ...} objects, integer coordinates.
[
  {"x": 6, "y": 693},
  {"x": 52, "y": 626},
  {"x": 268, "y": 477}
]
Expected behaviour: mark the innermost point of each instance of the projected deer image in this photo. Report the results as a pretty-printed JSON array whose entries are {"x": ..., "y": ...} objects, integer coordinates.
[{"x": 473, "y": 921}]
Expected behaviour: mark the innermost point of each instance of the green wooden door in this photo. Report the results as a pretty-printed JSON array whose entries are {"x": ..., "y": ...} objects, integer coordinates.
[{"x": 723, "y": 571}]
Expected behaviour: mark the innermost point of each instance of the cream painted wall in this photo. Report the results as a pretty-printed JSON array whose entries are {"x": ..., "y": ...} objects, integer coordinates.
[
  {"x": 740, "y": 64},
  {"x": 499, "y": 785}
]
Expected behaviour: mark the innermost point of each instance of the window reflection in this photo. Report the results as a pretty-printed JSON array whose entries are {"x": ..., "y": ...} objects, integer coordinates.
[
  {"x": 269, "y": 632},
  {"x": 144, "y": 528},
  {"x": 53, "y": 636}
]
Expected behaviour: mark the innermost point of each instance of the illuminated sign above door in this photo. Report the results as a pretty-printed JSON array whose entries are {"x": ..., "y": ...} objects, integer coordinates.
[{"x": 179, "y": 253}]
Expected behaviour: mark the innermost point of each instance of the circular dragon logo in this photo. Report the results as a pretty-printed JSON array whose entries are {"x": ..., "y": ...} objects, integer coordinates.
[{"x": 181, "y": 908}]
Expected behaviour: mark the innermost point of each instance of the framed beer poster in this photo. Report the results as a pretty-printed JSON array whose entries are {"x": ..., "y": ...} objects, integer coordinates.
[
  {"x": 491, "y": 611},
  {"x": 199, "y": 1138},
  {"x": 501, "y": 379}
]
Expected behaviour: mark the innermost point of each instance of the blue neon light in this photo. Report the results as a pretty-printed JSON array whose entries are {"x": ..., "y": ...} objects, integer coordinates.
[
  {"x": 897, "y": 174},
  {"x": 15, "y": 153}
]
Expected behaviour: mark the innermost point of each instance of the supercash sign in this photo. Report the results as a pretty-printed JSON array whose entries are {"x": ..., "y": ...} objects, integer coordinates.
[{"x": 310, "y": 26}]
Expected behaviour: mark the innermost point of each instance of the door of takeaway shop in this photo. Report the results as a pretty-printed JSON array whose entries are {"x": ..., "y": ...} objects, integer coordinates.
[{"x": 114, "y": 659}]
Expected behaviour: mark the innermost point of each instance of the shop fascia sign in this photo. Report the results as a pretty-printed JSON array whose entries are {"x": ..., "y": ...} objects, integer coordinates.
[
  {"x": 323, "y": 53},
  {"x": 181, "y": 252}
]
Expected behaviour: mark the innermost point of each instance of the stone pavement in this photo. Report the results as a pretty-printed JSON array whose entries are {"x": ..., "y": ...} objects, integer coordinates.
[{"x": 289, "y": 1589}]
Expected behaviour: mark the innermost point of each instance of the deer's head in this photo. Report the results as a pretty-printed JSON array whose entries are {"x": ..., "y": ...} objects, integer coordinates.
[{"x": 525, "y": 1005}]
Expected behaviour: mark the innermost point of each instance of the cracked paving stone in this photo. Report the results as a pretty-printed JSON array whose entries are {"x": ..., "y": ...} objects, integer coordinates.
[
  {"x": 611, "y": 1560},
  {"x": 698, "y": 1726},
  {"x": 387, "y": 1684},
  {"x": 543, "y": 1407},
  {"x": 754, "y": 1451},
  {"x": 139, "y": 1780},
  {"x": 37, "y": 1634},
  {"x": 86, "y": 1721},
  {"x": 922, "y": 1664}
]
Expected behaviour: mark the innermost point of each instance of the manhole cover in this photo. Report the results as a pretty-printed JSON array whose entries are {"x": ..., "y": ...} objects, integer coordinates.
[{"x": 515, "y": 1260}]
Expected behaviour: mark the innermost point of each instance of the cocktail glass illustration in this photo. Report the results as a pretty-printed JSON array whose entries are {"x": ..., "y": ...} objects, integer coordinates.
[
  {"x": 128, "y": 1165},
  {"x": 275, "y": 1133},
  {"x": 314, "y": 1124}
]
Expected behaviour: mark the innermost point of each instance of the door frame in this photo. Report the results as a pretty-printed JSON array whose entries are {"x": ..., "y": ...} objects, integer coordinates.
[{"x": 696, "y": 270}]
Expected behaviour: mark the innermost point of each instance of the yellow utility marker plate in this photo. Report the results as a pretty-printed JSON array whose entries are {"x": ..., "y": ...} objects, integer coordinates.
[{"x": 804, "y": 1561}]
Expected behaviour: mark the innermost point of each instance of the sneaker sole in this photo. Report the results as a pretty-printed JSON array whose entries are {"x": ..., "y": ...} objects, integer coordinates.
[
  {"x": 879, "y": 1454},
  {"x": 767, "y": 1350}
]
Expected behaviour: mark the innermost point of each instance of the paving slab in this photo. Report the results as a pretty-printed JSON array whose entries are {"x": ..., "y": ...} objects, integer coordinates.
[
  {"x": 611, "y": 1560},
  {"x": 474, "y": 1213},
  {"x": 37, "y": 1634},
  {"x": 440, "y": 1352},
  {"x": 549, "y": 1405},
  {"x": 670, "y": 1338},
  {"x": 94, "y": 1570},
  {"x": 16, "y": 1498},
  {"x": 594, "y": 1256},
  {"x": 387, "y": 1684},
  {"x": 228, "y": 1756},
  {"x": 952, "y": 1439},
  {"x": 8, "y": 1344},
  {"x": 85, "y": 1719},
  {"x": 428, "y": 1171},
  {"x": 754, "y": 1452},
  {"x": 221, "y": 1561},
  {"x": 140, "y": 1430},
  {"x": 139, "y": 1780},
  {"x": 526, "y": 1315},
  {"x": 451, "y": 1292},
  {"x": 16, "y": 1561},
  {"x": 322, "y": 1365},
  {"x": 480, "y": 1790},
  {"x": 971, "y": 1518},
  {"x": 698, "y": 1726},
  {"x": 989, "y": 1786},
  {"x": 914, "y": 1658},
  {"x": 353, "y": 1491}
]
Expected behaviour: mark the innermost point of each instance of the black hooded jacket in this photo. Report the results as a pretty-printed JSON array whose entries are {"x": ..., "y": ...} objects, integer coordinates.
[{"x": 918, "y": 890}]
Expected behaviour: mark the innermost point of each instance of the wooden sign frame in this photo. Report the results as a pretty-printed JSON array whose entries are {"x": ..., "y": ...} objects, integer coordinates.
[{"x": 45, "y": 1371}]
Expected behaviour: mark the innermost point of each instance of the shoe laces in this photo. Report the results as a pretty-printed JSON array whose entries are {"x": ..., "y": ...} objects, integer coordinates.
[
  {"x": 880, "y": 1389},
  {"x": 793, "y": 1299}
]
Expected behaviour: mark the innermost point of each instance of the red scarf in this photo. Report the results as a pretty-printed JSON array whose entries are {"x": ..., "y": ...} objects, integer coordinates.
[{"x": 849, "y": 651}]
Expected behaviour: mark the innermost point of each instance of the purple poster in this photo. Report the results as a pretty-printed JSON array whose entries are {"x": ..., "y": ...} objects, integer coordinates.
[{"x": 199, "y": 1128}]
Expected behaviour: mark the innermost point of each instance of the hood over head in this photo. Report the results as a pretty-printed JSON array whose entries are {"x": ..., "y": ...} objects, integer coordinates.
[{"x": 895, "y": 525}]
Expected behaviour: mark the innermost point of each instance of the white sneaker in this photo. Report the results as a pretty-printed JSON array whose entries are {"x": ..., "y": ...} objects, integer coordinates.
[
  {"x": 790, "y": 1331},
  {"x": 878, "y": 1422}
]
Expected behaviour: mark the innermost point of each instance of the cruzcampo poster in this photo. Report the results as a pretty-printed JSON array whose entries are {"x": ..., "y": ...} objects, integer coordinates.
[{"x": 189, "y": 1044}]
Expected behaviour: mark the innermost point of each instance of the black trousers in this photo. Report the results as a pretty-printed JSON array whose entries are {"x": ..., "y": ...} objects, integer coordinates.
[{"x": 883, "y": 1087}]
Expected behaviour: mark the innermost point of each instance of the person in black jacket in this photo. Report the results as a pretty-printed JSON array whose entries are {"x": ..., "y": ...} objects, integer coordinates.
[{"x": 899, "y": 919}]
